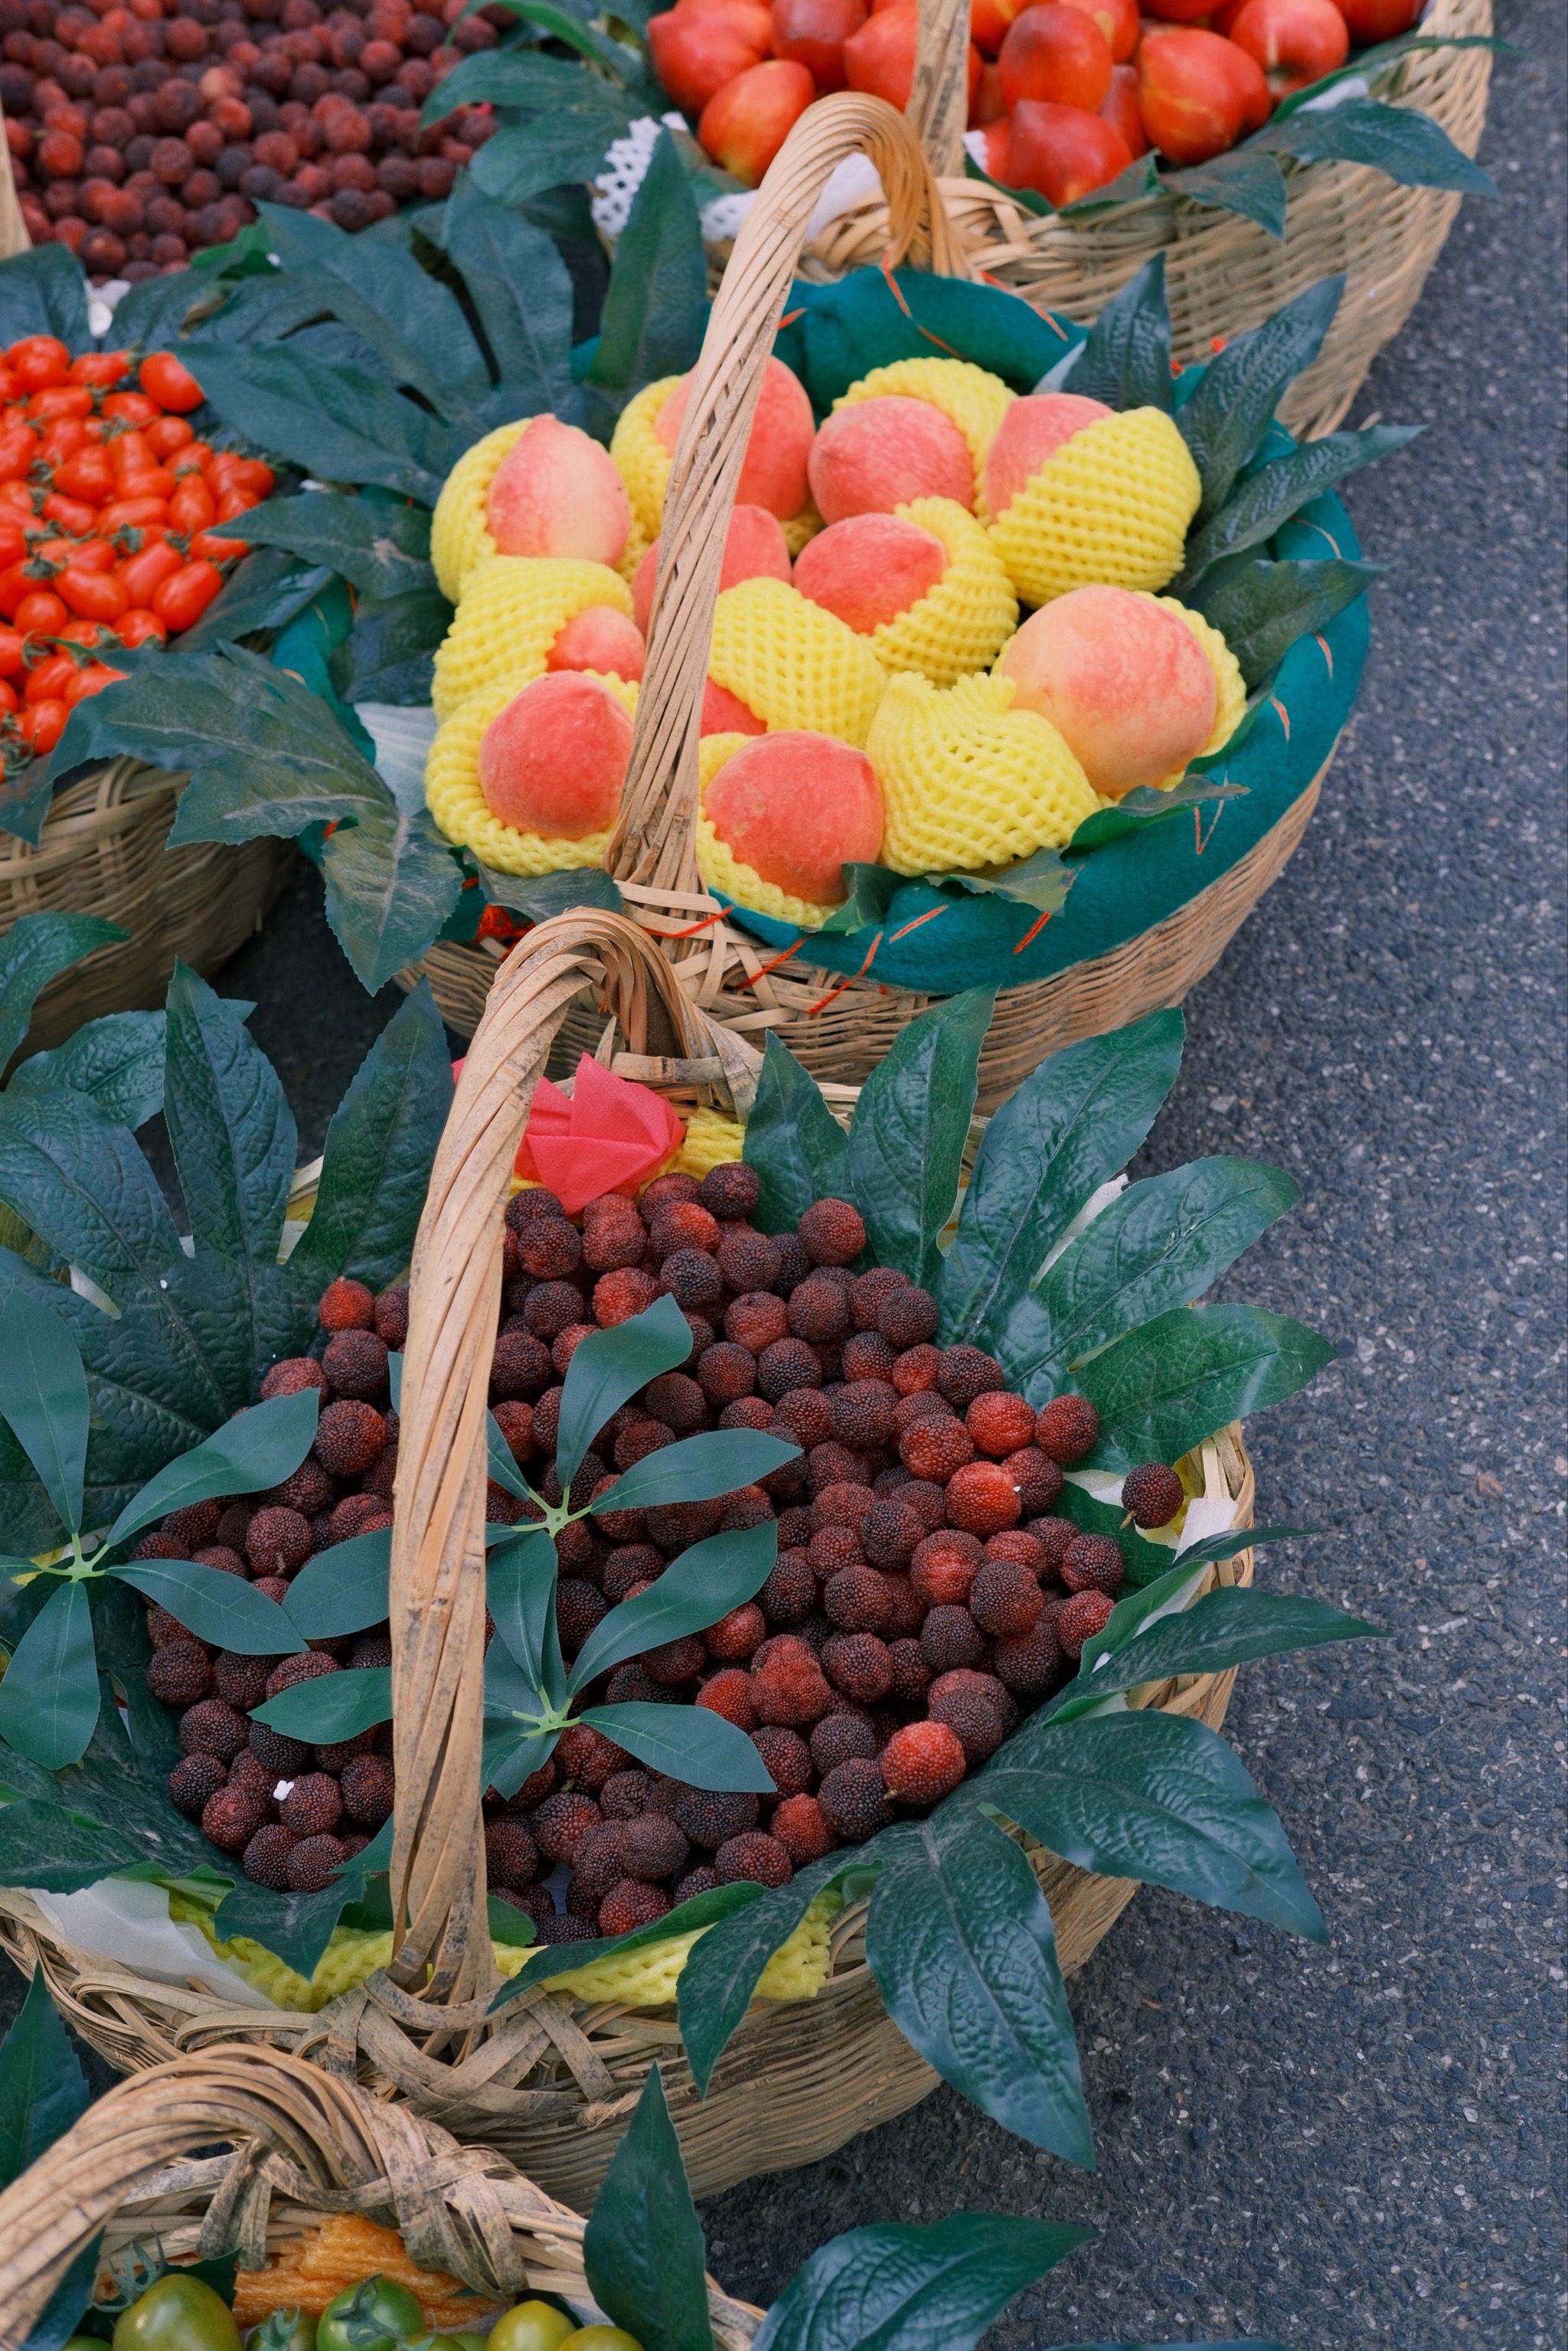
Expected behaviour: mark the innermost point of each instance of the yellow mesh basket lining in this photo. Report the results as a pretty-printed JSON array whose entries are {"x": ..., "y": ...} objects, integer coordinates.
[
  {"x": 642, "y": 456},
  {"x": 969, "y": 397},
  {"x": 963, "y": 624},
  {"x": 511, "y": 612},
  {"x": 648, "y": 1977},
  {"x": 792, "y": 664},
  {"x": 453, "y": 796},
  {"x": 711, "y": 1140},
  {"x": 459, "y": 537},
  {"x": 969, "y": 781},
  {"x": 1109, "y": 508},
  {"x": 1231, "y": 696}
]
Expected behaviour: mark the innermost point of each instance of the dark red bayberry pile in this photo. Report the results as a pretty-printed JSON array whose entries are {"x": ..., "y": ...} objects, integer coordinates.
[
  {"x": 140, "y": 132},
  {"x": 925, "y": 1593}
]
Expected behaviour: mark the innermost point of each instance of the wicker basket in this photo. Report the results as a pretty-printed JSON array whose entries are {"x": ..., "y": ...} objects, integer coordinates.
[
  {"x": 102, "y": 853},
  {"x": 552, "y": 2081},
  {"x": 839, "y": 1028},
  {"x": 304, "y": 2147},
  {"x": 1223, "y": 273}
]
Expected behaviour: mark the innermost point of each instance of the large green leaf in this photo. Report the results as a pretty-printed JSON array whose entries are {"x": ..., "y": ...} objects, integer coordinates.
[
  {"x": 43, "y": 1396},
  {"x": 266, "y": 591},
  {"x": 895, "y": 2287},
  {"x": 79, "y": 1180},
  {"x": 525, "y": 159},
  {"x": 344, "y": 1589},
  {"x": 379, "y": 1148},
  {"x": 685, "y": 1742},
  {"x": 1224, "y": 421},
  {"x": 1072, "y": 1124},
  {"x": 43, "y": 292},
  {"x": 336, "y": 422},
  {"x": 793, "y": 1142},
  {"x": 116, "y": 1061},
  {"x": 960, "y": 1942},
  {"x": 697, "y": 1469},
  {"x": 1156, "y": 1797},
  {"x": 224, "y": 1611},
  {"x": 694, "y": 1592},
  {"x": 414, "y": 322},
  {"x": 234, "y": 1136},
  {"x": 1278, "y": 490},
  {"x": 608, "y": 1368},
  {"x": 725, "y": 1967},
  {"x": 519, "y": 1593},
  {"x": 383, "y": 549},
  {"x": 297, "y": 1928},
  {"x": 1246, "y": 180},
  {"x": 33, "y": 952},
  {"x": 1162, "y": 1244},
  {"x": 1232, "y": 1626},
  {"x": 258, "y": 1449},
  {"x": 527, "y": 80},
  {"x": 1126, "y": 359},
  {"x": 518, "y": 285},
  {"x": 389, "y": 655},
  {"x": 1411, "y": 146},
  {"x": 643, "y": 2250},
  {"x": 331, "y": 1708},
  {"x": 43, "y": 2090},
  {"x": 42, "y": 1844},
  {"x": 1164, "y": 1388},
  {"x": 656, "y": 304},
  {"x": 910, "y": 1125},
  {"x": 1260, "y": 609},
  {"x": 49, "y": 1696}
]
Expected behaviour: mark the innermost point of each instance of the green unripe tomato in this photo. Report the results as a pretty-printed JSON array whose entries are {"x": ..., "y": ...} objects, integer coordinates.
[
  {"x": 531, "y": 2326},
  {"x": 291, "y": 2329},
  {"x": 599, "y": 2338},
  {"x": 178, "y": 2313},
  {"x": 377, "y": 2314}
]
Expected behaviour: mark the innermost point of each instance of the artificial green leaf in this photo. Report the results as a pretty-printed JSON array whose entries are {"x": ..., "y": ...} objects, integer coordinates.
[
  {"x": 1410, "y": 146},
  {"x": 724, "y": 1968},
  {"x": 719, "y": 1902},
  {"x": 258, "y": 1449},
  {"x": 344, "y": 1589},
  {"x": 869, "y": 893},
  {"x": 519, "y": 1593},
  {"x": 43, "y": 292},
  {"x": 643, "y": 2250},
  {"x": 336, "y": 422},
  {"x": 540, "y": 895},
  {"x": 519, "y": 283},
  {"x": 1041, "y": 882},
  {"x": 34, "y": 950},
  {"x": 379, "y": 1148},
  {"x": 383, "y": 549},
  {"x": 576, "y": 25},
  {"x": 1071, "y": 1125},
  {"x": 414, "y": 322},
  {"x": 1224, "y": 421},
  {"x": 509, "y": 1756},
  {"x": 224, "y": 1611},
  {"x": 79, "y": 1179},
  {"x": 49, "y": 1696},
  {"x": 116, "y": 1061},
  {"x": 1156, "y": 1797},
  {"x": 1246, "y": 180},
  {"x": 392, "y": 882},
  {"x": 43, "y": 2090},
  {"x": 1260, "y": 609},
  {"x": 1278, "y": 490},
  {"x": 910, "y": 1125},
  {"x": 656, "y": 304},
  {"x": 1126, "y": 359},
  {"x": 900, "y": 2288},
  {"x": 607, "y": 1367},
  {"x": 331, "y": 1708},
  {"x": 1161, "y": 1244},
  {"x": 1232, "y": 1626},
  {"x": 694, "y": 1591},
  {"x": 44, "y": 1844},
  {"x": 522, "y": 161},
  {"x": 502, "y": 1465},
  {"x": 960, "y": 1942},
  {"x": 697, "y": 1469},
  {"x": 1174, "y": 1587},
  {"x": 687, "y": 1743},
  {"x": 389, "y": 655},
  {"x": 1147, "y": 804},
  {"x": 297, "y": 1928},
  {"x": 266, "y": 591},
  {"x": 43, "y": 1396},
  {"x": 1162, "y": 1389},
  {"x": 233, "y": 1133},
  {"x": 793, "y": 1142},
  {"x": 526, "y": 79}
]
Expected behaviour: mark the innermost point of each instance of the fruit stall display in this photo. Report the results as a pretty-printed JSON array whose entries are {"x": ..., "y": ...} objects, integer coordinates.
[{"x": 810, "y": 1546}]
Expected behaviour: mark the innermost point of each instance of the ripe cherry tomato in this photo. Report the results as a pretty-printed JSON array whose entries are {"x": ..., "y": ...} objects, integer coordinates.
[
  {"x": 61, "y": 441},
  {"x": 147, "y": 482},
  {"x": 235, "y": 502},
  {"x": 104, "y": 368},
  {"x": 42, "y": 725},
  {"x": 176, "y": 2314},
  {"x": 137, "y": 628},
  {"x": 192, "y": 507},
  {"x": 13, "y": 653},
  {"x": 84, "y": 555},
  {"x": 18, "y": 448},
  {"x": 254, "y": 478},
  {"x": 192, "y": 456},
  {"x": 142, "y": 575},
  {"x": 169, "y": 434},
  {"x": 39, "y": 360},
  {"x": 213, "y": 548},
  {"x": 91, "y": 681},
  {"x": 93, "y": 595},
  {"x": 8, "y": 701},
  {"x": 47, "y": 681},
  {"x": 133, "y": 406},
  {"x": 9, "y": 384},
  {"x": 130, "y": 514},
  {"x": 182, "y": 600},
  {"x": 70, "y": 513},
  {"x": 132, "y": 453},
  {"x": 40, "y": 613},
  {"x": 14, "y": 583},
  {"x": 171, "y": 386},
  {"x": 12, "y": 540},
  {"x": 91, "y": 634},
  {"x": 61, "y": 400},
  {"x": 88, "y": 476}
]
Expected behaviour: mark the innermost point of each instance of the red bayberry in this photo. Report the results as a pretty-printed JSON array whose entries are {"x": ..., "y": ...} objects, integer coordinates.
[
  {"x": 727, "y": 1372},
  {"x": 891, "y": 1532},
  {"x": 1031, "y": 1664},
  {"x": 819, "y": 1310},
  {"x": 212, "y": 1727},
  {"x": 355, "y": 1362},
  {"x": 683, "y": 1225},
  {"x": 678, "y": 1401},
  {"x": 314, "y": 1862},
  {"x": 613, "y": 1235},
  {"x": 1004, "y": 1599},
  {"x": 790, "y": 1690},
  {"x": 999, "y": 1422},
  {"x": 277, "y": 1542},
  {"x": 586, "y": 1757},
  {"x": 965, "y": 1373},
  {"x": 1153, "y": 1493},
  {"x": 349, "y": 1438},
  {"x": 264, "y": 1860},
  {"x": 730, "y": 1190},
  {"x": 804, "y": 1417},
  {"x": 619, "y": 1294},
  {"x": 1093, "y": 1563},
  {"x": 977, "y": 1707},
  {"x": 754, "y": 1856},
  {"x": 654, "y": 1847},
  {"x": 392, "y": 1316},
  {"x": 1037, "y": 1478},
  {"x": 345, "y": 1305},
  {"x": 853, "y": 1801},
  {"x": 799, "y": 1826},
  {"x": 369, "y": 1788},
  {"x": 867, "y": 1356},
  {"x": 858, "y": 1665},
  {"x": 729, "y": 1693},
  {"x": 950, "y": 1637},
  {"x": 231, "y": 1817},
  {"x": 709, "y": 1816},
  {"x": 786, "y": 1757},
  {"x": 193, "y": 1779},
  {"x": 756, "y": 1320},
  {"x": 747, "y": 1260},
  {"x": 936, "y": 1447},
  {"x": 790, "y": 1594},
  {"x": 911, "y": 1674},
  {"x": 907, "y": 1320},
  {"x": 560, "y": 1821},
  {"x": 981, "y": 1496},
  {"x": 314, "y": 1805},
  {"x": 862, "y": 1412},
  {"x": 868, "y": 1291},
  {"x": 739, "y": 1634},
  {"x": 180, "y": 1673},
  {"x": 629, "y": 1905},
  {"x": 945, "y": 1565},
  {"x": 787, "y": 1363},
  {"x": 922, "y": 1762},
  {"x": 290, "y": 1377},
  {"x": 550, "y": 1248},
  {"x": 1080, "y": 1618},
  {"x": 1067, "y": 1429},
  {"x": 832, "y": 1232}
]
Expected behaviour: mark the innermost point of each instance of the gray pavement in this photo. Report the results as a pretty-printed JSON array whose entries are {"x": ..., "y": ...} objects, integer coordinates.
[{"x": 1359, "y": 2143}]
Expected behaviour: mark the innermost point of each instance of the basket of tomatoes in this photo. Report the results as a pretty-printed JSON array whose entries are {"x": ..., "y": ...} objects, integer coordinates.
[{"x": 112, "y": 508}]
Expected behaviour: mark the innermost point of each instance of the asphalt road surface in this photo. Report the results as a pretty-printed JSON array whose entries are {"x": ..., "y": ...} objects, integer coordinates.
[{"x": 1358, "y": 2143}]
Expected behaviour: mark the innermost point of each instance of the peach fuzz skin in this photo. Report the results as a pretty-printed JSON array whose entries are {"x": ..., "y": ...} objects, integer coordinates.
[
  {"x": 556, "y": 492},
  {"x": 1125, "y": 682},
  {"x": 553, "y": 761},
  {"x": 724, "y": 713},
  {"x": 869, "y": 569},
  {"x": 796, "y": 808},
  {"x": 603, "y": 638},
  {"x": 754, "y": 549},
  {"x": 1030, "y": 436},
  {"x": 876, "y": 455},
  {"x": 773, "y": 474}
]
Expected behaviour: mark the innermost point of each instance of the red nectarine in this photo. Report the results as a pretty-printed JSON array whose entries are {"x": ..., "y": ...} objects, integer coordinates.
[
  {"x": 990, "y": 105},
  {"x": 1058, "y": 55},
  {"x": 599, "y": 639},
  {"x": 556, "y": 492},
  {"x": 774, "y": 472},
  {"x": 1198, "y": 93},
  {"x": 796, "y": 808},
  {"x": 1117, "y": 19},
  {"x": 1378, "y": 20},
  {"x": 1062, "y": 152},
  {"x": 1030, "y": 436},
  {"x": 696, "y": 51},
  {"x": 872, "y": 456},
  {"x": 744, "y": 125},
  {"x": 1121, "y": 678},
  {"x": 1295, "y": 41},
  {"x": 1123, "y": 112},
  {"x": 1180, "y": 11},
  {"x": 812, "y": 33},
  {"x": 870, "y": 568},
  {"x": 988, "y": 23},
  {"x": 754, "y": 549},
  {"x": 553, "y": 761},
  {"x": 880, "y": 57}
]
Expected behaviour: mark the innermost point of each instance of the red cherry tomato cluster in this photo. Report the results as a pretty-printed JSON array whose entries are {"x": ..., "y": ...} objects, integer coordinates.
[
  {"x": 111, "y": 515},
  {"x": 1065, "y": 92}
]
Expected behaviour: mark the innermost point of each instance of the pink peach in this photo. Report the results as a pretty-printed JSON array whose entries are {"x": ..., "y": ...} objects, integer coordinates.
[
  {"x": 599, "y": 639},
  {"x": 876, "y": 454},
  {"x": 870, "y": 568},
  {"x": 1029, "y": 434},
  {"x": 754, "y": 549},
  {"x": 1122, "y": 679},
  {"x": 556, "y": 492},
  {"x": 553, "y": 761},
  {"x": 724, "y": 713},
  {"x": 796, "y": 808},
  {"x": 773, "y": 474}
]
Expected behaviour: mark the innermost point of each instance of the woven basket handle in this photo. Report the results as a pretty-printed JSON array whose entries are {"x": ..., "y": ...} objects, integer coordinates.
[
  {"x": 938, "y": 109},
  {"x": 653, "y": 842}
]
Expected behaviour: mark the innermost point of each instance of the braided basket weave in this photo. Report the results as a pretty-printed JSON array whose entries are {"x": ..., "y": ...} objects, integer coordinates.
[{"x": 552, "y": 2081}]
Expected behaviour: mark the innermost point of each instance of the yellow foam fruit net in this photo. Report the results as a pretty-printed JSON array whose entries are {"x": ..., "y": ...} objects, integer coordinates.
[
  {"x": 645, "y": 463},
  {"x": 711, "y": 1139},
  {"x": 1111, "y": 508},
  {"x": 722, "y": 871},
  {"x": 969, "y": 397},
  {"x": 969, "y": 781},
  {"x": 1230, "y": 687},
  {"x": 968, "y": 616},
  {"x": 792, "y": 664},
  {"x": 459, "y": 536},
  {"x": 512, "y": 611},
  {"x": 455, "y": 800}
]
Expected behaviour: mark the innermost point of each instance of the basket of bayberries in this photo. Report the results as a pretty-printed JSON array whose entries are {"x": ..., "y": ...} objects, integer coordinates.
[
  {"x": 871, "y": 674},
  {"x": 671, "y": 1624},
  {"x": 112, "y": 508}
]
